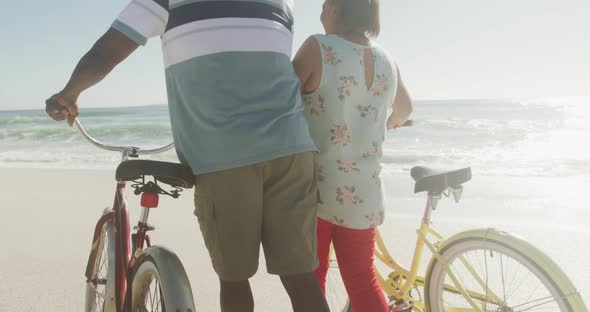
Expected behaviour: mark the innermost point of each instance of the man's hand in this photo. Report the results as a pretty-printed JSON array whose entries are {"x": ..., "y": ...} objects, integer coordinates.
[{"x": 62, "y": 106}]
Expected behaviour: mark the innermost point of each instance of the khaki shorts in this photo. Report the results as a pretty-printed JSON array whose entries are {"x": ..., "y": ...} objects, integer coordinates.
[{"x": 273, "y": 203}]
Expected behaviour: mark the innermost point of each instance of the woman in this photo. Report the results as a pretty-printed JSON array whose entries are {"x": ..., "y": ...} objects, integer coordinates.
[{"x": 349, "y": 83}]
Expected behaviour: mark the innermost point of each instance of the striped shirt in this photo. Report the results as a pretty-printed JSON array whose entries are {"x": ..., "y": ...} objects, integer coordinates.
[{"x": 232, "y": 92}]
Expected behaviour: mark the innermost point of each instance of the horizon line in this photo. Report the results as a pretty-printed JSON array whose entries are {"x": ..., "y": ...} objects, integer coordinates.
[{"x": 504, "y": 99}]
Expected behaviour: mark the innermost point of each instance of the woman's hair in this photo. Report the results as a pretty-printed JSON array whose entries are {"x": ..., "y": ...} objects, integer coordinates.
[{"x": 359, "y": 16}]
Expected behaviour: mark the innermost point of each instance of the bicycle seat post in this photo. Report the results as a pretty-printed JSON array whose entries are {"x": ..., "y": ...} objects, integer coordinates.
[
  {"x": 457, "y": 192},
  {"x": 124, "y": 155},
  {"x": 431, "y": 203},
  {"x": 149, "y": 200},
  {"x": 145, "y": 212}
]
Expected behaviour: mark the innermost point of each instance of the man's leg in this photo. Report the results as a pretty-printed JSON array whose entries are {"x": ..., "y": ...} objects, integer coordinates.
[
  {"x": 305, "y": 293},
  {"x": 236, "y": 296},
  {"x": 289, "y": 228},
  {"x": 228, "y": 205}
]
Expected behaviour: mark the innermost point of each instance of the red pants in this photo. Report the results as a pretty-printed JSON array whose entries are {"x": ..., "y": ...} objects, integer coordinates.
[{"x": 354, "y": 253}]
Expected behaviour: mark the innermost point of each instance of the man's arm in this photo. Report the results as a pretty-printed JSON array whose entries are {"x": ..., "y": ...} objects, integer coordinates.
[
  {"x": 110, "y": 50},
  {"x": 402, "y": 106}
]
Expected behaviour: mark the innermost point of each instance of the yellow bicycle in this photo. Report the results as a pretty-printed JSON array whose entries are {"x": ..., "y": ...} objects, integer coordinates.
[{"x": 479, "y": 270}]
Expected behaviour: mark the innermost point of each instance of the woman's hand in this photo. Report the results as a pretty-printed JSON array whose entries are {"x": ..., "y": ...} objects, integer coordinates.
[
  {"x": 393, "y": 122},
  {"x": 402, "y": 107}
]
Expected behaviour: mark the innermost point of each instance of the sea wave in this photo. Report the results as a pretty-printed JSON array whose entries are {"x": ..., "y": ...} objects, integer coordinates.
[{"x": 538, "y": 138}]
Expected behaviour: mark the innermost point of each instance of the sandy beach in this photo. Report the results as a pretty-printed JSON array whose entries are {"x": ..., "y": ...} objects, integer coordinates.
[
  {"x": 49, "y": 214},
  {"x": 501, "y": 86}
]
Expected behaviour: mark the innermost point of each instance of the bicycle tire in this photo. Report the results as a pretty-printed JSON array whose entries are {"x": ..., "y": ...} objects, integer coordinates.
[
  {"x": 100, "y": 287},
  {"x": 543, "y": 285},
  {"x": 160, "y": 283}
]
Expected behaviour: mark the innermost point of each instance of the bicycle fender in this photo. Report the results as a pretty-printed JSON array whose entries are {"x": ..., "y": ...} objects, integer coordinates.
[
  {"x": 527, "y": 250},
  {"x": 176, "y": 287}
]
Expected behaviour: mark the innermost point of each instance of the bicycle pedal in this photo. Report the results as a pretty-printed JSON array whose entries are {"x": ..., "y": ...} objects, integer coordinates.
[{"x": 403, "y": 306}]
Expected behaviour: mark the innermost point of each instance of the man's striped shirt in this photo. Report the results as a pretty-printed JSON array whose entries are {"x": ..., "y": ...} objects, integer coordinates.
[{"x": 233, "y": 95}]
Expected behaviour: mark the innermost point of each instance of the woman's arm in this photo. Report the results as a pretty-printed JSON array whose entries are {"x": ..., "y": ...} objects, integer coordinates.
[
  {"x": 308, "y": 65},
  {"x": 402, "y": 106}
]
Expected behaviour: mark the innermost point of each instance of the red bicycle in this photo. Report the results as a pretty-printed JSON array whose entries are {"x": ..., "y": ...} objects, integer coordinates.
[{"x": 125, "y": 272}]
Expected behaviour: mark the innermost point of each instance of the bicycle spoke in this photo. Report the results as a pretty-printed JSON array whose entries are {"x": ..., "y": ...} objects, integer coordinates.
[
  {"x": 527, "y": 280},
  {"x": 98, "y": 293},
  {"x": 552, "y": 299},
  {"x": 153, "y": 301},
  {"x": 508, "y": 285},
  {"x": 481, "y": 268},
  {"x": 538, "y": 305},
  {"x": 157, "y": 295},
  {"x": 512, "y": 281},
  {"x": 494, "y": 280},
  {"x": 522, "y": 282},
  {"x": 504, "y": 280},
  {"x": 97, "y": 285},
  {"x": 149, "y": 294},
  {"x": 465, "y": 270},
  {"x": 103, "y": 260},
  {"x": 533, "y": 292},
  {"x": 154, "y": 294},
  {"x": 458, "y": 276},
  {"x": 485, "y": 306},
  {"x": 503, "y": 283}
]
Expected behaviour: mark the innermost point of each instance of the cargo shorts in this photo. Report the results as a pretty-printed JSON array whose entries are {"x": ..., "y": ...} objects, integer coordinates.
[{"x": 273, "y": 203}]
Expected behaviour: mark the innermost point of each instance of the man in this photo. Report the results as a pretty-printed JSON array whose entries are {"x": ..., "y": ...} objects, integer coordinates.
[{"x": 237, "y": 121}]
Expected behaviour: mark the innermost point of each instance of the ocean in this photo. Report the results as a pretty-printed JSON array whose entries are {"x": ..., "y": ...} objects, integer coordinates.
[
  {"x": 494, "y": 137},
  {"x": 525, "y": 155}
]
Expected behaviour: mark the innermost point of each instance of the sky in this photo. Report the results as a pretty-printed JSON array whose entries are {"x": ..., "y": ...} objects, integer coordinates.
[{"x": 451, "y": 49}]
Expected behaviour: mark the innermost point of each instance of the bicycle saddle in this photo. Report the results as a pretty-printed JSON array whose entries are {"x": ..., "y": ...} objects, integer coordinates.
[
  {"x": 436, "y": 180},
  {"x": 176, "y": 175}
]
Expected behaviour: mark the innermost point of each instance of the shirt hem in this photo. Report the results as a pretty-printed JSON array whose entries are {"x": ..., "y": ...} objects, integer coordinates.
[
  {"x": 353, "y": 227},
  {"x": 129, "y": 32},
  {"x": 258, "y": 158}
]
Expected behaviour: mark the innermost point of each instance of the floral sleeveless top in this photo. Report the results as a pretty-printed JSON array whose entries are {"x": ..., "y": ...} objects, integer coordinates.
[{"x": 348, "y": 122}]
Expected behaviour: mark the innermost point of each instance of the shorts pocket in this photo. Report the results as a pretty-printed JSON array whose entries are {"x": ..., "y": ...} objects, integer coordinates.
[{"x": 205, "y": 212}]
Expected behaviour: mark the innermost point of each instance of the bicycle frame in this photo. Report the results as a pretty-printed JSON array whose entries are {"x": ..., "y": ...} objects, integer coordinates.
[
  {"x": 125, "y": 258},
  {"x": 400, "y": 282}
]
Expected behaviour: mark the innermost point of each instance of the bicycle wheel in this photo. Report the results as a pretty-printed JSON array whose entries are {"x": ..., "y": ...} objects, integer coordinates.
[
  {"x": 100, "y": 286},
  {"x": 498, "y": 272},
  {"x": 160, "y": 283}
]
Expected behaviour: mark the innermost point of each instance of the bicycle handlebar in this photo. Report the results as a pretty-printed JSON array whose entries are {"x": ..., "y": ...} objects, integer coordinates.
[
  {"x": 93, "y": 141},
  {"x": 136, "y": 150}
]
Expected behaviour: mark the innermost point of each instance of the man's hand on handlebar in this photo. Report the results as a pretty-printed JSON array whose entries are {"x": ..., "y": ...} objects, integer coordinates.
[{"x": 62, "y": 106}]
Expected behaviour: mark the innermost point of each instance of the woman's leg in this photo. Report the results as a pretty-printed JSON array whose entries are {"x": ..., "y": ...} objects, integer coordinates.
[
  {"x": 354, "y": 252},
  {"x": 324, "y": 233}
]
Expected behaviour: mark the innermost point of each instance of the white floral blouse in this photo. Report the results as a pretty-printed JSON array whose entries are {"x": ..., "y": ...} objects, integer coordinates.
[{"x": 347, "y": 122}]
